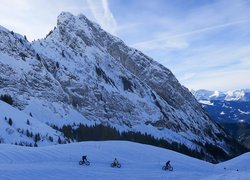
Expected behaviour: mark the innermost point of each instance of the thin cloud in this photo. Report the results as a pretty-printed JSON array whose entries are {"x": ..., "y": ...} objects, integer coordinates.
[
  {"x": 216, "y": 52},
  {"x": 237, "y": 79},
  {"x": 36, "y": 18},
  {"x": 159, "y": 42},
  {"x": 161, "y": 45},
  {"x": 208, "y": 29},
  {"x": 103, "y": 15},
  {"x": 213, "y": 64}
]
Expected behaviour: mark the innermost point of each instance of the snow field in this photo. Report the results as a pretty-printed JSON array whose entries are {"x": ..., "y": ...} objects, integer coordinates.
[{"x": 138, "y": 162}]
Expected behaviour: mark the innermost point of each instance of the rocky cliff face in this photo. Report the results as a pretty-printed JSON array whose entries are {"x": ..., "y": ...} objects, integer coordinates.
[
  {"x": 81, "y": 74},
  {"x": 23, "y": 75}
]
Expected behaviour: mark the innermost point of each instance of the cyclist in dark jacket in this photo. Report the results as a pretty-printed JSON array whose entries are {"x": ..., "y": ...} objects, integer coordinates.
[
  {"x": 84, "y": 158},
  {"x": 167, "y": 164},
  {"x": 115, "y": 162}
]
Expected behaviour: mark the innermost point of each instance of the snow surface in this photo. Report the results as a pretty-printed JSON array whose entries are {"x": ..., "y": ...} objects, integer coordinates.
[
  {"x": 57, "y": 113},
  {"x": 17, "y": 131},
  {"x": 206, "y": 102},
  {"x": 138, "y": 162},
  {"x": 243, "y": 112}
]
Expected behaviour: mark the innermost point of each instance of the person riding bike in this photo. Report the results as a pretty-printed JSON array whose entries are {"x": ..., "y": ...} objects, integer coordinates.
[
  {"x": 115, "y": 162},
  {"x": 84, "y": 161},
  {"x": 84, "y": 158},
  {"x": 167, "y": 167},
  {"x": 168, "y": 164}
]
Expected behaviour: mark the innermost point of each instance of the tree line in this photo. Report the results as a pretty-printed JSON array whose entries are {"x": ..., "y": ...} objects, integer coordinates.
[{"x": 101, "y": 133}]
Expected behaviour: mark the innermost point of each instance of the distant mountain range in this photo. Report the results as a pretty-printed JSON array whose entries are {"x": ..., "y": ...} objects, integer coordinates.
[
  {"x": 237, "y": 95},
  {"x": 230, "y": 109}
]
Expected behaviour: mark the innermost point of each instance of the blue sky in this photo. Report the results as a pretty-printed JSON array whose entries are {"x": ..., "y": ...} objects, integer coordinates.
[{"x": 205, "y": 43}]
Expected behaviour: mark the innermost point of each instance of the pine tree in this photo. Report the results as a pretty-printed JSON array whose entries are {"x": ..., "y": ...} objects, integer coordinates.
[
  {"x": 27, "y": 133},
  {"x": 67, "y": 131},
  {"x": 51, "y": 138},
  {"x": 37, "y": 137},
  {"x": 59, "y": 141},
  {"x": 7, "y": 98},
  {"x": 10, "y": 122}
]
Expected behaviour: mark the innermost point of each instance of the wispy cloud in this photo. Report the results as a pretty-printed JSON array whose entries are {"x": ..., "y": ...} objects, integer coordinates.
[
  {"x": 28, "y": 18},
  {"x": 226, "y": 80},
  {"x": 175, "y": 42},
  {"x": 205, "y": 67},
  {"x": 36, "y": 18},
  {"x": 204, "y": 46},
  {"x": 161, "y": 44},
  {"x": 103, "y": 15}
]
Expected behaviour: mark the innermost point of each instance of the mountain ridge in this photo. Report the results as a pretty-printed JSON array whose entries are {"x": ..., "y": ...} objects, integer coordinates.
[
  {"x": 231, "y": 95},
  {"x": 230, "y": 109},
  {"x": 80, "y": 73}
]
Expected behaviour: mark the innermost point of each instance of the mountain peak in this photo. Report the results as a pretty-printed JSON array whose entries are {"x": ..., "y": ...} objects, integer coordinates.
[
  {"x": 76, "y": 23},
  {"x": 68, "y": 19},
  {"x": 65, "y": 15},
  {"x": 83, "y": 69},
  {"x": 78, "y": 29}
]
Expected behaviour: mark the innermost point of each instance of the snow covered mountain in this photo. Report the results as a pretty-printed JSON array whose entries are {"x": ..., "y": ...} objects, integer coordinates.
[
  {"x": 138, "y": 162},
  {"x": 81, "y": 74},
  {"x": 230, "y": 106},
  {"x": 237, "y": 95}
]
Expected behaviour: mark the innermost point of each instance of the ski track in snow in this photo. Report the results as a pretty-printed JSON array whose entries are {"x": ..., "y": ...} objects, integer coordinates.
[{"x": 138, "y": 162}]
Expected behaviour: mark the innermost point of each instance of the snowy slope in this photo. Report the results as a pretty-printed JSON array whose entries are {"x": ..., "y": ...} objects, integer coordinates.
[
  {"x": 139, "y": 162},
  {"x": 21, "y": 123},
  {"x": 81, "y": 74},
  {"x": 120, "y": 86}
]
